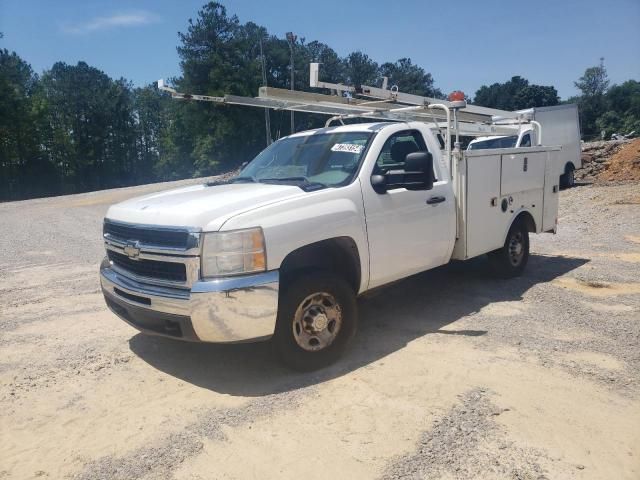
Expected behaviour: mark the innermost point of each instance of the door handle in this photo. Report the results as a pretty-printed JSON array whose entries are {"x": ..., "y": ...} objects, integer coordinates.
[{"x": 437, "y": 199}]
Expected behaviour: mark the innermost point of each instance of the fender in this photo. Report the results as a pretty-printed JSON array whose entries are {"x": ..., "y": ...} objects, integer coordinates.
[
  {"x": 315, "y": 217},
  {"x": 528, "y": 219},
  {"x": 339, "y": 255}
]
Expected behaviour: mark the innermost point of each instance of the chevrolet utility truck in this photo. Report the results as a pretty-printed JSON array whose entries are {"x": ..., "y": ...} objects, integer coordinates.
[{"x": 282, "y": 251}]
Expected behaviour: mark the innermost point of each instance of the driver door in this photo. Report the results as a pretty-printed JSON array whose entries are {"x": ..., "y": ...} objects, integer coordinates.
[{"x": 409, "y": 231}]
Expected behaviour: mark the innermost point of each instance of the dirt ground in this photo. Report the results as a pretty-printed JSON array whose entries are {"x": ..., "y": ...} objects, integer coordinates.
[
  {"x": 625, "y": 164},
  {"x": 453, "y": 375}
]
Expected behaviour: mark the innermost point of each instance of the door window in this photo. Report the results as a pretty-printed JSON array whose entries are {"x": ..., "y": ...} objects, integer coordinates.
[{"x": 396, "y": 148}]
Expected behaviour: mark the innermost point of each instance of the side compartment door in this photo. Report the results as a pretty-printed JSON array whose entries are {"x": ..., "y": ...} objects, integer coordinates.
[
  {"x": 551, "y": 195},
  {"x": 485, "y": 219},
  {"x": 409, "y": 231}
]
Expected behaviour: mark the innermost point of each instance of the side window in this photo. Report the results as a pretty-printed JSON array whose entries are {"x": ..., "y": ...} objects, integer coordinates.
[
  {"x": 397, "y": 147},
  {"x": 526, "y": 141}
]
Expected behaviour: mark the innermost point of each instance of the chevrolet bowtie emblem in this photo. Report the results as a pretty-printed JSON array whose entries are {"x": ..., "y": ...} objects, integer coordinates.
[{"x": 132, "y": 249}]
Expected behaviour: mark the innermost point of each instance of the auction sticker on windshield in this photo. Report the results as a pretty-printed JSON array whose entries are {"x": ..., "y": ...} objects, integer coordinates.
[{"x": 347, "y": 147}]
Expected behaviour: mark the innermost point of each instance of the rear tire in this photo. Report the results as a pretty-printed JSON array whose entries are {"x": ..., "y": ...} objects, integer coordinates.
[
  {"x": 317, "y": 318},
  {"x": 511, "y": 260},
  {"x": 568, "y": 179}
]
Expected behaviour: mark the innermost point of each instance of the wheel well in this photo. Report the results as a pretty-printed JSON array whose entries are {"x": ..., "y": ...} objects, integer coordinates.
[
  {"x": 339, "y": 255},
  {"x": 527, "y": 219},
  {"x": 569, "y": 166}
]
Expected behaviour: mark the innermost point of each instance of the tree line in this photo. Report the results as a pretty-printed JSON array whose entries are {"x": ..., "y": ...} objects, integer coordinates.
[
  {"x": 603, "y": 109},
  {"x": 72, "y": 128}
]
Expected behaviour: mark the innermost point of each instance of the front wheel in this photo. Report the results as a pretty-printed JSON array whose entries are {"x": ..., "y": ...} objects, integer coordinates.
[
  {"x": 317, "y": 318},
  {"x": 510, "y": 260}
]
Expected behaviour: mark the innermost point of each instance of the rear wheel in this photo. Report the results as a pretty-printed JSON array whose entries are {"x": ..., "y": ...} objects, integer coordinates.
[
  {"x": 317, "y": 318},
  {"x": 510, "y": 260},
  {"x": 568, "y": 180}
]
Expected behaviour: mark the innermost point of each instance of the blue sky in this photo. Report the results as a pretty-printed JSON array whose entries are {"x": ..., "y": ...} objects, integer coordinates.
[{"x": 464, "y": 44}]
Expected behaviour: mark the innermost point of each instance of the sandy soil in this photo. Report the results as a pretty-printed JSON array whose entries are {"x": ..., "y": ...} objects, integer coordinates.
[{"x": 453, "y": 375}]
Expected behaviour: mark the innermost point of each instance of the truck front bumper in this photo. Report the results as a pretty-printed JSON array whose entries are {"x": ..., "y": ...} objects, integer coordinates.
[{"x": 228, "y": 310}]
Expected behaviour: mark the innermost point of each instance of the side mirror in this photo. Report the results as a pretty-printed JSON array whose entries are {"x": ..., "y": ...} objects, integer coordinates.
[
  {"x": 379, "y": 183},
  {"x": 418, "y": 169},
  {"x": 417, "y": 174}
]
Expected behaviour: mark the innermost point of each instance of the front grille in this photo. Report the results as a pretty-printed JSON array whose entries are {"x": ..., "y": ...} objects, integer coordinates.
[
  {"x": 150, "y": 236},
  {"x": 176, "y": 272}
]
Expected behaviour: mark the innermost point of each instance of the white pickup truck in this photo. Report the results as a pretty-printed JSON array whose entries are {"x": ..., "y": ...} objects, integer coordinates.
[{"x": 318, "y": 218}]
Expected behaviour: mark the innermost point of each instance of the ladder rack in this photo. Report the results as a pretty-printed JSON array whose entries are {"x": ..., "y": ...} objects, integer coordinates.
[{"x": 381, "y": 104}]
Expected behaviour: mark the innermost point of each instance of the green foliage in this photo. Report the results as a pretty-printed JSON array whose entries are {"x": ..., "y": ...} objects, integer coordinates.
[
  {"x": 151, "y": 109},
  {"x": 602, "y": 110},
  {"x": 219, "y": 55},
  {"x": 594, "y": 82},
  {"x": 536, "y": 96},
  {"x": 516, "y": 94},
  {"x": 410, "y": 78},
  {"x": 622, "y": 109},
  {"x": 19, "y": 156},
  {"x": 592, "y": 103},
  {"x": 360, "y": 69},
  {"x": 606, "y": 110},
  {"x": 88, "y": 129}
]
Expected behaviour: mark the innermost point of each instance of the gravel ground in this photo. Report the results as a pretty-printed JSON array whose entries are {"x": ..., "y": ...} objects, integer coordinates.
[
  {"x": 443, "y": 449},
  {"x": 454, "y": 374}
]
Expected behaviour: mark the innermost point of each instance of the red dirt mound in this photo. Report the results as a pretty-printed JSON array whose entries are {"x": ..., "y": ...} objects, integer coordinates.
[{"x": 624, "y": 164}]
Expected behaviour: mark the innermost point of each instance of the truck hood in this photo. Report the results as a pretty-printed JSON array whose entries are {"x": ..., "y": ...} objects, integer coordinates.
[{"x": 200, "y": 206}]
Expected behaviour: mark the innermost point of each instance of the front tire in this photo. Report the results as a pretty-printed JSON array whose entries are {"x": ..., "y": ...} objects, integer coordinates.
[
  {"x": 510, "y": 260},
  {"x": 317, "y": 318}
]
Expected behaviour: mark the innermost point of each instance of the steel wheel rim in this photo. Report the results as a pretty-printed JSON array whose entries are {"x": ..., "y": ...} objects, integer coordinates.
[
  {"x": 516, "y": 248},
  {"x": 317, "y": 322}
]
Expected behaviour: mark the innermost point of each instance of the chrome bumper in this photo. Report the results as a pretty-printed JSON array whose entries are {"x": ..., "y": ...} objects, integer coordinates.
[{"x": 235, "y": 309}]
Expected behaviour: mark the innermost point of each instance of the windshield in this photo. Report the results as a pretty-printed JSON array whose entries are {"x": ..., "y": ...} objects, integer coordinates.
[
  {"x": 327, "y": 159},
  {"x": 502, "y": 142}
]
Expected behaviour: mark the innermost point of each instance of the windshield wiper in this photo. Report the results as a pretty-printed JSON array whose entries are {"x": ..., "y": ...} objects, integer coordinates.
[
  {"x": 306, "y": 184},
  {"x": 286, "y": 179},
  {"x": 245, "y": 178}
]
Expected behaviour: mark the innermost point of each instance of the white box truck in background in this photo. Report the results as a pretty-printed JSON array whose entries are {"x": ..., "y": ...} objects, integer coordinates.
[{"x": 560, "y": 126}]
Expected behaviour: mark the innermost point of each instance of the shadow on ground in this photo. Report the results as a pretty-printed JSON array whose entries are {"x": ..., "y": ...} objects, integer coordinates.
[{"x": 389, "y": 320}]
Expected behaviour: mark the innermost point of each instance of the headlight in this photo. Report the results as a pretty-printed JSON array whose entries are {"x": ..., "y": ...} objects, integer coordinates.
[{"x": 233, "y": 253}]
